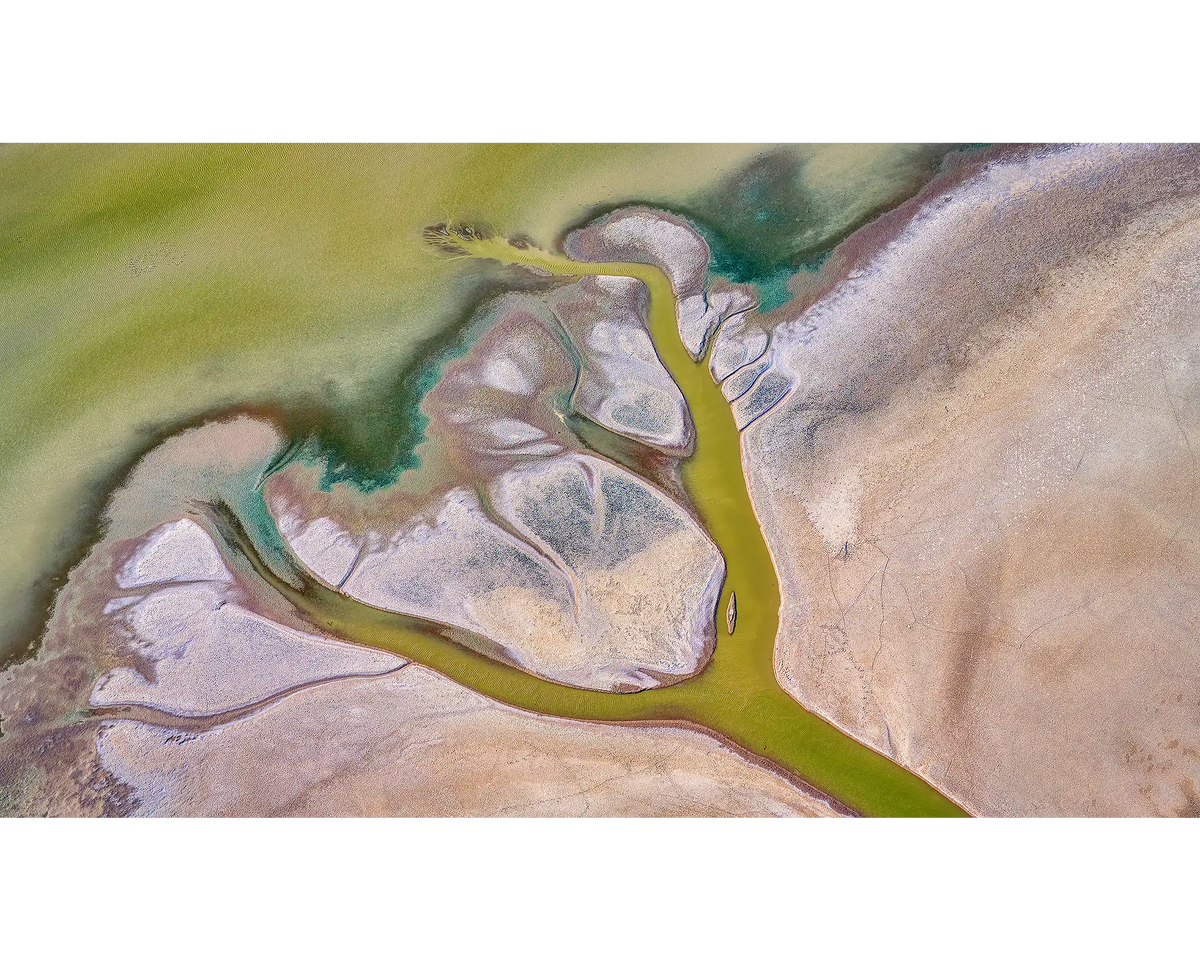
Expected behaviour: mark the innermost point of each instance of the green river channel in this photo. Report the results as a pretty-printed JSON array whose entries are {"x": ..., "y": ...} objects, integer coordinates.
[{"x": 736, "y": 696}]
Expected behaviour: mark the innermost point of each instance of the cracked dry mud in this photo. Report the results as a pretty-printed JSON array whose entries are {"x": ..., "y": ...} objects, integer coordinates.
[{"x": 970, "y": 441}]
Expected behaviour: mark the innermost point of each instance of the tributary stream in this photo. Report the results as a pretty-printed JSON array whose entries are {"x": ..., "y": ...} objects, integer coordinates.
[{"x": 736, "y": 696}]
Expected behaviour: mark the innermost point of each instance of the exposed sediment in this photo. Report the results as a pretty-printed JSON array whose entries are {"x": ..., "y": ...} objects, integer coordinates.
[
  {"x": 970, "y": 443},
  {"x": 196, "y": 649},
  {"x": 644, "y": 235},
  {"x": 622, "y": 385},
  {"x": 579, "y": 569},
  {"x": 980, "y": 489},
  {"x": 170, "y": 681},
  {"x": 417, "y": 744}
]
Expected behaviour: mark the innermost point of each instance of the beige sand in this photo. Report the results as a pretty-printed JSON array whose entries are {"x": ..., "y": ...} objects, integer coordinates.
[
  {"x": 981, "y": 489},
  {"x": 413, "y": 743},
  {"x": 169, "y": 682}
]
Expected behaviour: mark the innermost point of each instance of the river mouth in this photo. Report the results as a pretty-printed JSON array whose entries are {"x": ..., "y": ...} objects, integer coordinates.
[{"x": 736, "y": 695}]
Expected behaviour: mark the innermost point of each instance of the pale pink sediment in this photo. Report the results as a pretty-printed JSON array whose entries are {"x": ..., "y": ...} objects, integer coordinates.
[
  {"x": 980, "y": 490},
  {"x": 581, "y": 571},
  {"x": 645, "y": 235},
  {"x": 415, "y": 743}
]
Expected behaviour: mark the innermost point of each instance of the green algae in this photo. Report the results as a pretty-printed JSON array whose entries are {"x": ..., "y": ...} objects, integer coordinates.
[
  {"x": 152, "y": 285},
  {"x": 143, "y": 288},
  {"x": 737, "y": 695},
  {"x": 786, "y": 207}
]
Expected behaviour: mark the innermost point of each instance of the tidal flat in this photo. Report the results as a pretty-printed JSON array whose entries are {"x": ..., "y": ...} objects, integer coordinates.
[{"x": 614, "y": 494}]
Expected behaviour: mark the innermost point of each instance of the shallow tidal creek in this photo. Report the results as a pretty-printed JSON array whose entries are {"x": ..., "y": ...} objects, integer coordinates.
[{"x": 736, "y": 696}]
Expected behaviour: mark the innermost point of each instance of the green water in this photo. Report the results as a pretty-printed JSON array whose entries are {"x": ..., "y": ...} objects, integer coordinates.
[
  {"x": 144, "y": 288},
  {"x": 737, "y": 695}
]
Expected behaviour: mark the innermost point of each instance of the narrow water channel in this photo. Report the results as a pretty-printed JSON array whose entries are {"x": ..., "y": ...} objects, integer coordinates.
[{"x": 737, "y": 695}]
